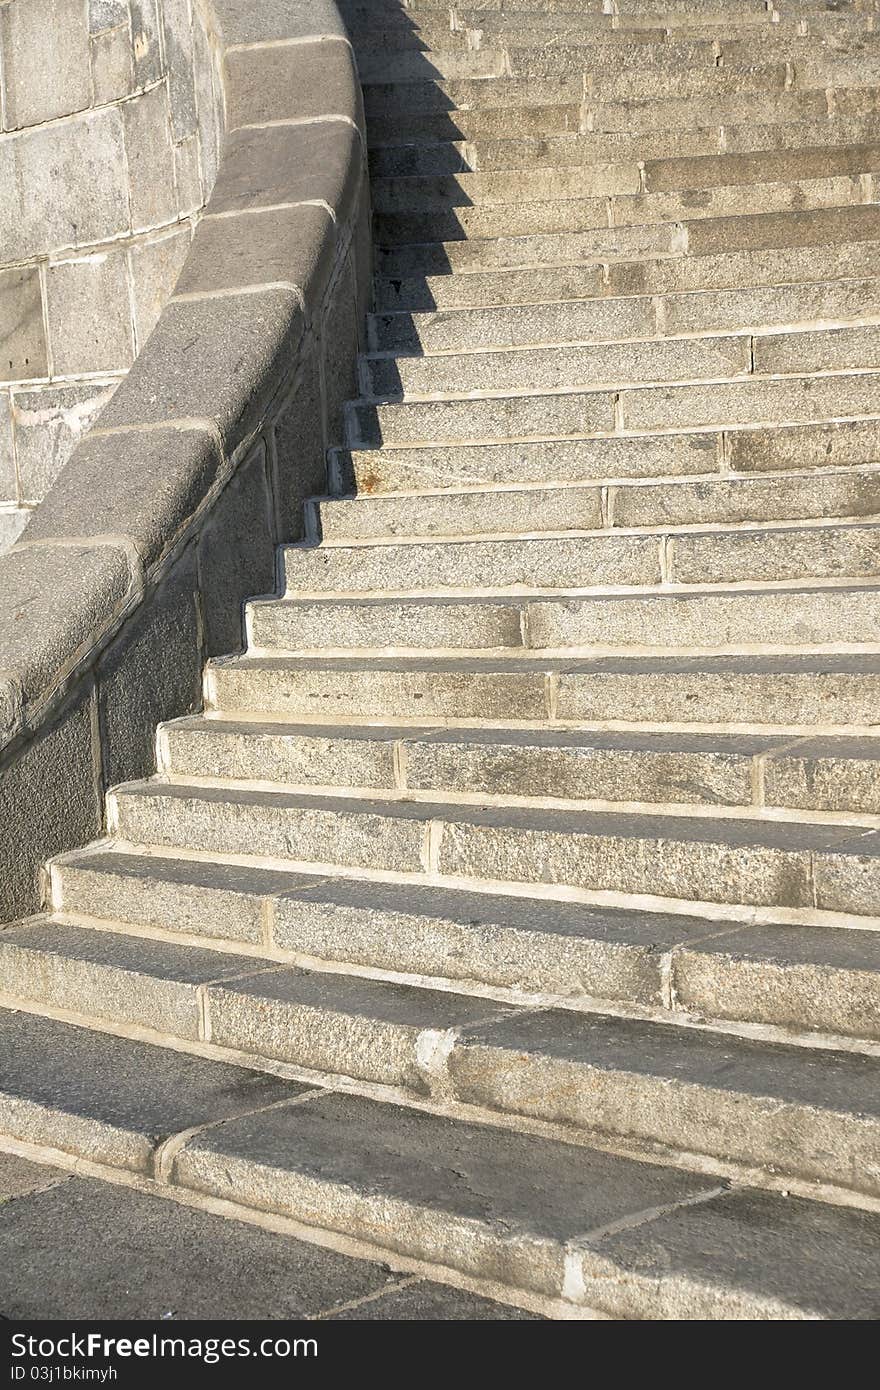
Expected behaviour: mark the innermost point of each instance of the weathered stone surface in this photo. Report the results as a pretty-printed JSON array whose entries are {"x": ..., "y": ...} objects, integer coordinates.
[
  {"x": 159, "y": 479},
  {"x": 150, "y": 159},
  {"x": 494, "y": 1205},
  {"x": 18, "y": 1177},
  {"x": 54, "y": 601},
  {"x": 341, "y": 1024},
  {"x": 277, "y": 19},
  {"x": 22, "y": 337},
  {"x": 49, "y": 422},
  {"x": 299, "y": 443},
  {"x": 155, "y": 264},
  {"x": 50, "y": 803},
  {"x": 151, "y": 672},
  {"x": 111, "y": 58},
  {"x": 315, "y": 162},
  {"x": 45, "y": 60},
  {"x": 741, "y": 1255},
  {"x": 288, "y": 246},
  {"x": 211, "y": 360},
  {"x": 427, "y": 1302},
  {"x": 119, "y": 978},
  {"x": 42, "y": 171},
  {"x": 82, "y": 342},
  {"x": 112, "y": 1100},
  {"x": 302, "y": 81}
]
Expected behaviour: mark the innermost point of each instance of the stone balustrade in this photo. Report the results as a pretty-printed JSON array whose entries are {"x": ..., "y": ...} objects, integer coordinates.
[{"x": 132, "y": 569}]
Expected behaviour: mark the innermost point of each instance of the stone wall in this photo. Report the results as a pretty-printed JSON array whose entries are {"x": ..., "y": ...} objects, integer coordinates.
[
  {"x": 134, "y": 567},
  {"x": 110, "y": 124}
]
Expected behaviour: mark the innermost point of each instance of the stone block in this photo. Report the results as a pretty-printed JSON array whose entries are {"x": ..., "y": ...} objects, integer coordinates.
[
  {"x": 292, "y": 246},
  {"x": 188, "y": 176},
  {"x": 209, "y": 103},
  {"x": 45, "y": 60},
  {"x": 744, "y": 1255},
  {"x": 49, "y": 423},
  {"x": 155, "y": 266},
  {"x": 213, "y": 359},
  {"x": 298, "y": 446},
  {"x": 177, "y": 17},
  {"x": 110, "y": 54},
  {"x": 150, "y": 160},
  {"x": 302, "y": 81},
  {"x": 22, "y": 337},
  {"x": 146, "y": 41},
  {"x": 89, "y": 315},
  {"x": 42, "y": 173},
  {"x": 54, "y": 600},
  {"x": 50, "y": 801},
  {"x": 244, "y": 23},
  {"x": 152, "y": 672},
  {"x": 319, "y": 161},
  {"x": 8, "y": 477},
  {"x": 338, "y": 1024},
  {"x": 12, "y": 522},
  {"x": 339, "y": 336},
  {"x": 107, "y": 14},
  {"x": 236, "y": 553},
  {"x": 159, "y": 479},
  {"x": 493, "y": 1203},
  {"x": 178, "y": 895}
]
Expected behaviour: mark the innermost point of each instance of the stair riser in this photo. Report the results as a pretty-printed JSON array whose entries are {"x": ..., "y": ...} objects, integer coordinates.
[
  {"x": 598, "y": 320},
  {"x": 632, "y": 117},
  {"x": 774, "y": 701},
  {"x": 746, "y": 620},
  {"x": 569, "y": 509},
  {"x": 573, "y": 413},
  {"x": 582, "y": 563},
  {"x": 747, "y": 451},
  {"x": 745, "y": 269},
  {"x": 644, "y": 234},
  {"x": 547, "y": 368},
  {"x": 576, "y": 150},
  {"x": 593, "y": 772}
]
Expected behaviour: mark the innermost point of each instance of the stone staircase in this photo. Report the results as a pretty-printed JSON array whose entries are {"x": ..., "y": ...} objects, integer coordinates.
[{"x": 513, "y": 907}]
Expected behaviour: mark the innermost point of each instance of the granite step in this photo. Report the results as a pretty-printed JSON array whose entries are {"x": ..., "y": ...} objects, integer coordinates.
[
  {"x": 799, "y": 694},
  {"x": 816, "y": 775},
  {"x": 628, "y": 317},
  {"x": 803, "y": 869},
  {"x": 564, "y": 1222},
  {"x": 740, "y": 451},
  {"x": 808, "y": 1113},
  {"x": 811, "y": 397},
  {"x": 812, "y": 979}
]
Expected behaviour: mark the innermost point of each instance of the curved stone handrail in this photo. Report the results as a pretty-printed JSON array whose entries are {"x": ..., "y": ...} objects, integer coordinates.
[{"x": 134, "y": 568}]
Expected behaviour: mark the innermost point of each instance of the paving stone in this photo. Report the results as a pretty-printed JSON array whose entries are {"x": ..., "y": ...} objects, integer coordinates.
[
  {"x": 426, "y": 1302},
  {"x": 495, "y": 1209},
  {"x": 44, "y": 1238}
]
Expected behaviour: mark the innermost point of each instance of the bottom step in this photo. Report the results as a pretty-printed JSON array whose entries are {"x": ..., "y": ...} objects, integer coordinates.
[
  {"x": 626, "y": 1238},
  {"x": 49, "y": 1217}
]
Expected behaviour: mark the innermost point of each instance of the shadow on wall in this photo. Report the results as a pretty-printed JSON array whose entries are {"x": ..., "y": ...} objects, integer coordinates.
[{"x": 111, "y": 125}]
